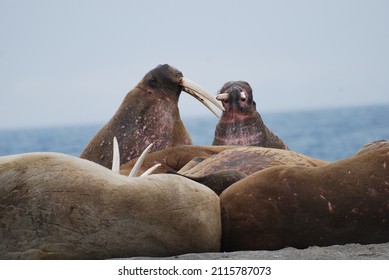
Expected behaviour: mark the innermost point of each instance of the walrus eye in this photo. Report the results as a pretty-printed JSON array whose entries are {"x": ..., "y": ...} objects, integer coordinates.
[
  {"x": 178, "y": 74},
  {"x": 153, "y": 82}
]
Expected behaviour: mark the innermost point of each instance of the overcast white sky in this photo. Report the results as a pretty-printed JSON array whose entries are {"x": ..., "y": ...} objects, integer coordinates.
[{"x": 73, "y": 61}]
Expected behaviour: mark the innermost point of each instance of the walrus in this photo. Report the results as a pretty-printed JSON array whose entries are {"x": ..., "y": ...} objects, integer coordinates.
[
  {"x": 346, "y": 201},
  {"x": 55, "y": 206},
  {"x": 240, "y": 124},
  {"x": 372, "y": 146},
  {"x": 221, "y": 170},
  {"x": 218, "y": 167},
  {"x": 148, "y": 114}
]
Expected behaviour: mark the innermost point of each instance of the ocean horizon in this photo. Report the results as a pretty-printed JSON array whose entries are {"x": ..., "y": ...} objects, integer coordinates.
[{"x": 326, "y": 134}]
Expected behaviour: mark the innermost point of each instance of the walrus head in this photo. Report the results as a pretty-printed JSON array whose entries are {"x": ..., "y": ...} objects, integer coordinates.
[
  {"x": 240, "y": 123},
  {"x": 236, "y": 97},
  {"x": 169, "y": 82}
]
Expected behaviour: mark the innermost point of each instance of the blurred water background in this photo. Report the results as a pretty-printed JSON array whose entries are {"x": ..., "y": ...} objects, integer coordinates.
[{"x": 327, "y": 134}]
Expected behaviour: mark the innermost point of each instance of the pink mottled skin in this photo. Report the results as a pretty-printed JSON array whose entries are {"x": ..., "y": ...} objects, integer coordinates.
[
  {"x": 240, "y": 123},
  {"x": 148, "y": 114}
]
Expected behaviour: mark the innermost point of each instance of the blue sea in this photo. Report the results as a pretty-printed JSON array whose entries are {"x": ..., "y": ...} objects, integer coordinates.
[{"x": 326, "y": 134}]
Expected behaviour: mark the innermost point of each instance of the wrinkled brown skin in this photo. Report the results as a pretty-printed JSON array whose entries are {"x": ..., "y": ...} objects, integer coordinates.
[
  {"x": 148, "y": 114},
  {"x": 173, "y": 158},
  {"x": 227, "y": 167},
  {"x": 337, "y": 203},
  {"x": 240, "y": 123}
]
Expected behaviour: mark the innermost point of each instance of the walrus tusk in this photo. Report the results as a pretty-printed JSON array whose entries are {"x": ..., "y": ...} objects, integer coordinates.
[
  {"x": 200, "y": 94},
  {"x": 224, "y": 96},
  {"x": 139, "y": 162},
  {"x": 243, "y": 95},
  {"x": 150, "y": 170},
  {"x": 116, "y": 156}
]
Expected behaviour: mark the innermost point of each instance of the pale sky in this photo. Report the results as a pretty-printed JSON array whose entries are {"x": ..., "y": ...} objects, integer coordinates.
[{"x": 72, "y": 62}]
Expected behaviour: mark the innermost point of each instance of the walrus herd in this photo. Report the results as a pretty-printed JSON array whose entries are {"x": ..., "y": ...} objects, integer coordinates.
[{"x": 248, "y": 191}]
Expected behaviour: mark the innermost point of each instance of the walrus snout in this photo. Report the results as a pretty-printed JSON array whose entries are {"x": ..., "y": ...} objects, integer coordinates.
[
  {"x": 238, "y": 93},
  {"x": 234, "y": 97},
  {"x": 235, "y": 91}
]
